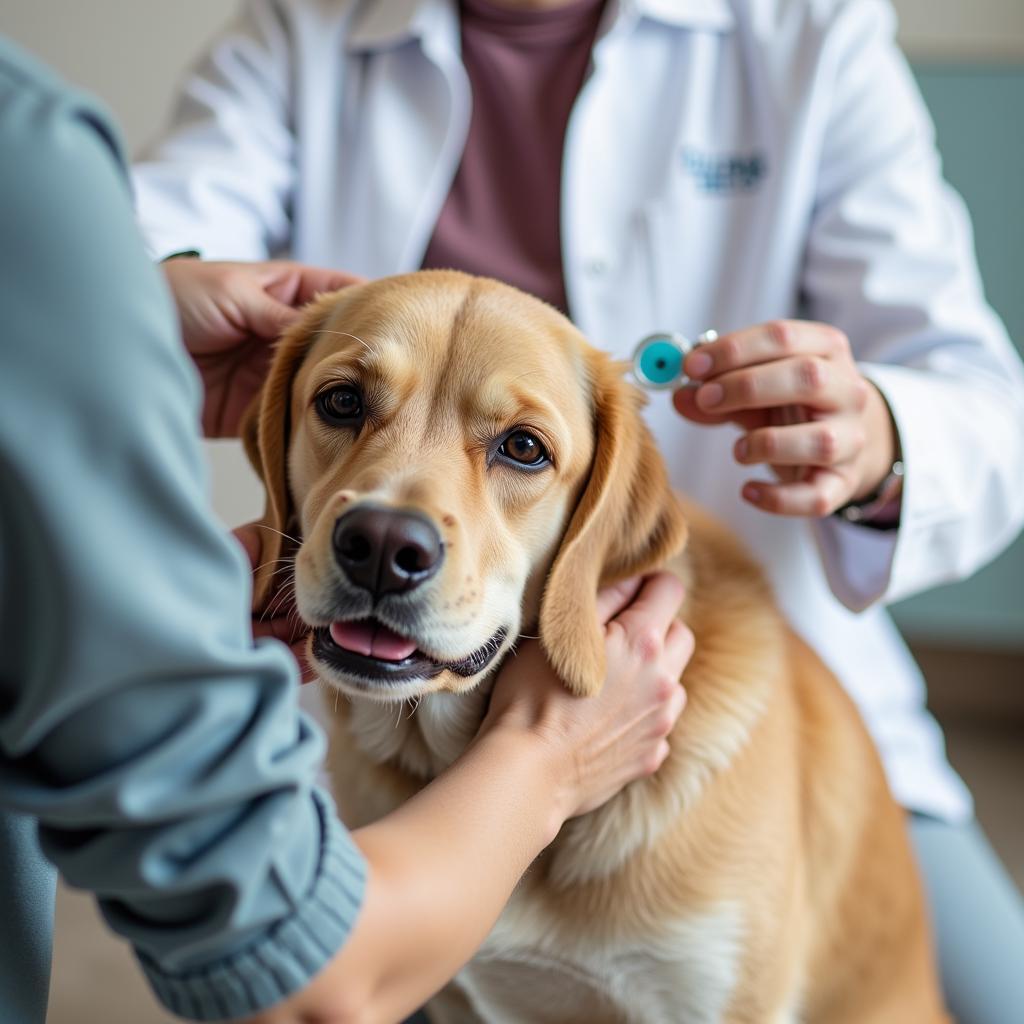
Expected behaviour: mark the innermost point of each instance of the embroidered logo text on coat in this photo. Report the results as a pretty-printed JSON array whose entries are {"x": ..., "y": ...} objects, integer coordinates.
[{"x": 724, "y": 174}]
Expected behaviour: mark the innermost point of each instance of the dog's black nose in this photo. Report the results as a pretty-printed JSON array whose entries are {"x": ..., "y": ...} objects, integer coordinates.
[{"x": 387, "y": 550}]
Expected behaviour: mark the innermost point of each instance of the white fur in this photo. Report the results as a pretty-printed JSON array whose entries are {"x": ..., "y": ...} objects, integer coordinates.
[
  {"x": 425, "y": 735},
  {"x": 687, "y": 975}
]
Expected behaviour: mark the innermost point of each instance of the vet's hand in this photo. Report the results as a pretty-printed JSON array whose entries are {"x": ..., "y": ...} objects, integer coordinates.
[
  {"x": 230, "y": 313},
  {"x": 599, "y": 744},
  {"x": 795, "y": 389},
  {"x": 280, "y": 620}
]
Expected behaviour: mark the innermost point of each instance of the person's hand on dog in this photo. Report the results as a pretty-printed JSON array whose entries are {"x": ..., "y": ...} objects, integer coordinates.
[
  {"x": 441, "y": 867},
  {"x": 806, "y": 411},
  {"x": 229, "y": 314},
  {"x": 599, "y": 744},
  {"x": 279, "y": 620}
]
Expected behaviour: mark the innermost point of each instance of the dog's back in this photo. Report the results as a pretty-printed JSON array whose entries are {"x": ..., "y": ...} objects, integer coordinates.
[{"x": 764, "y": 874}]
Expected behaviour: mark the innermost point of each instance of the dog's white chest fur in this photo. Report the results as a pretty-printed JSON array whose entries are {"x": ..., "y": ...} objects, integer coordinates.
[
  {"x": 534, "y": 969},
  {"x": 685, "y": 976}
]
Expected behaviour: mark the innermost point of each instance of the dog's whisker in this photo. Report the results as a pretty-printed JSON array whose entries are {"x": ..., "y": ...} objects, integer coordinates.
[
  {"x": 282, "y": 594},
  {"x": 287, "y": 591},
  {"x": 272, "y": 561},
  {"x": 343, "y": 334},
  {"x": 287, "y": 536},
  {"x": 283, "y": 602}
]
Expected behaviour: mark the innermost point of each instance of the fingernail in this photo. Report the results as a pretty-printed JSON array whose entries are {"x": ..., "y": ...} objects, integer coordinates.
[
  {"x": 710, "y": 395},
  {"x": 752, "y": 492},
  {"x": 698, "y": 364},
  {"x": 742, "y": 448}
]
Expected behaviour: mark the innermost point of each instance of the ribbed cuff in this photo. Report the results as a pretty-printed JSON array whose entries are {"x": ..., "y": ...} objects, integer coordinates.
[{"x": 289, "y": 954}]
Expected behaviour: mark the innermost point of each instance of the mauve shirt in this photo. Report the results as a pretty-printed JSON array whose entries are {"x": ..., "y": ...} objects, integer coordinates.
[{"x": 501, "y": 217}]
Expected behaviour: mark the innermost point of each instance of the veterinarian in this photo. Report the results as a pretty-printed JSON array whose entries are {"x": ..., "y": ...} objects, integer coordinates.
[
  {"x": 763, "y": 168},
  {"x": 156, "y": 755}
]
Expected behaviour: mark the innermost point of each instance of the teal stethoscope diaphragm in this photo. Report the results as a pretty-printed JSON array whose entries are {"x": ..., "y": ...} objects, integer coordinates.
[{"x": 658, "y": 358}]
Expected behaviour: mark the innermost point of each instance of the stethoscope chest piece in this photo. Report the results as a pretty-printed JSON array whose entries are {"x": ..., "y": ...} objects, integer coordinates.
[{"x": 658, "y": 358}]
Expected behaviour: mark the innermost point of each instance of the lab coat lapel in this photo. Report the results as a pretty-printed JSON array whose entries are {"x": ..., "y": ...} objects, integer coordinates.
[{"x": 414, "y": 120}]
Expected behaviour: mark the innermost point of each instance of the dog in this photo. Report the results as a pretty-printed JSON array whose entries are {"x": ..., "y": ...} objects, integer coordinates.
[{"x": 462, "y": 467}]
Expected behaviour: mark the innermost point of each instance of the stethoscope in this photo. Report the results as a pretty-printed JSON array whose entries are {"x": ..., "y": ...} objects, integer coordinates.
[{"x": 658, "y": 358}]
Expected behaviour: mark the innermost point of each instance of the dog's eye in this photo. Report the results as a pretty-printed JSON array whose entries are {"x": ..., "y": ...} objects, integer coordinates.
[
  {"x": 341, "y": 404},
  {"x": 523, "y": 448}
]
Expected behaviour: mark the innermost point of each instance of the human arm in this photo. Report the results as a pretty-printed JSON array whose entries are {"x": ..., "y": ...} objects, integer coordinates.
[
  {"x": 156, "y": 747},
  {"x": 889, "y": 262},
  {"x": 443, "y": 866},
  {"x": 162, "y": 755}
]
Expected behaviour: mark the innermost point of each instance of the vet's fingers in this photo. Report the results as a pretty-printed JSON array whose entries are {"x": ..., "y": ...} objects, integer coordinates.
[
  {"x": 317, "y": 280},
  {"x": 822, "y": 443},
  {"x": 283, "y": 628},
  {"x": 685, "y": 402},
  {"x": 765, "y": 343},
  {"x": 613, "y": 598},
  {"x": 800, "y": 380},
  {"x": 251, "y": 539},
  {"x": 296, "y": 283},
  {"x": 279, "y": 627},
  {"x": 818, "y": 496},
  {"x": 301, "y": 653},
  {"x": 646, "y": 620}
]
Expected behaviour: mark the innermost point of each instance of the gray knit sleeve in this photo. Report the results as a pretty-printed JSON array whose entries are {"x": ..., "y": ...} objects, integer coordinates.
[{"x": 161, "y": 751}]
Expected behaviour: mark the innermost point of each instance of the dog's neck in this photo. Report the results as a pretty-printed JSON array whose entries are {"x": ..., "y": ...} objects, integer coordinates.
[{"x": 422, "y": 737}]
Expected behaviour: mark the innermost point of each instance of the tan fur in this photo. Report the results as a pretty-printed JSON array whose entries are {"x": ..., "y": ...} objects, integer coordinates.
[{"x": 764, "y": 874}]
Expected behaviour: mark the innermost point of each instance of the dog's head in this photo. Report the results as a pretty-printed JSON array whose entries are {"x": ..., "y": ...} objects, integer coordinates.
[{"x": 460, "y": 465}]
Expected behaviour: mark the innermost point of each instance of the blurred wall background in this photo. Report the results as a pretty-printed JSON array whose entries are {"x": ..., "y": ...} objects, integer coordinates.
[{"x": 969, "y": 59}]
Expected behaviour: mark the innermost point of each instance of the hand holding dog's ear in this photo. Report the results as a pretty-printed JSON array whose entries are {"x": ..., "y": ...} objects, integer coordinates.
[{"x": 230, "y": 313}]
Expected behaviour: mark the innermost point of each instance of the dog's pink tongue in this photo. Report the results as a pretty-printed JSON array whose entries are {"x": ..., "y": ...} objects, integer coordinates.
[{"x": 372, "y": 639}]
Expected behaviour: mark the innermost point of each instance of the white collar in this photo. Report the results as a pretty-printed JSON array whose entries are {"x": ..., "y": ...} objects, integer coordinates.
[
  {"x": 383, "y": 24},
  {"x": 712, "y": 14}
]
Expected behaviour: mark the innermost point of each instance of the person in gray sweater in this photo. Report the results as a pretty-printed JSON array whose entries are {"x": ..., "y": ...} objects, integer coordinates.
[{"x": 150, "y": 751}]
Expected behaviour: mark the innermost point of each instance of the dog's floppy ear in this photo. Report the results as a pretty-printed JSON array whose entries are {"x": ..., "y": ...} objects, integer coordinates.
[
  {"x": 265, "y": 431},
  {"x": 626, "y": 522}
]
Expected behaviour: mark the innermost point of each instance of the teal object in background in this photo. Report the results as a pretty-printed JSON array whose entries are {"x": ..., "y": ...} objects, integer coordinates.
[{"x": 979, "y": 118}]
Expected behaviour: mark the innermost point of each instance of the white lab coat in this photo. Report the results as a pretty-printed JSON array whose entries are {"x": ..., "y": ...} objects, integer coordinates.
[{"x": 727, "y": 162}]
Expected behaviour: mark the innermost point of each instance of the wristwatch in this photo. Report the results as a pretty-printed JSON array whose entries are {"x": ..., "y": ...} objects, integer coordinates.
[
  {"x": 868, "y": 510},
  {"x": 183, "y": 254}
]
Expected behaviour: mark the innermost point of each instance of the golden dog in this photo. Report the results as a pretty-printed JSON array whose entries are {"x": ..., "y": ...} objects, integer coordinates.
[{"x": 462, "y": 467}]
